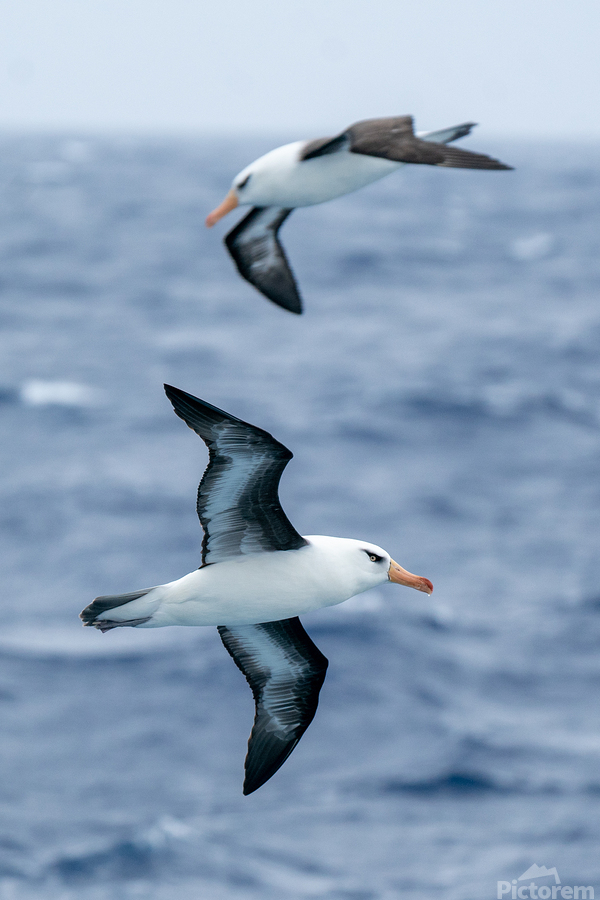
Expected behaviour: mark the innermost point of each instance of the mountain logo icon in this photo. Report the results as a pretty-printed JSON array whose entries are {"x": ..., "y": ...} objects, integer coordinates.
[{"x": 535, "y": 871}]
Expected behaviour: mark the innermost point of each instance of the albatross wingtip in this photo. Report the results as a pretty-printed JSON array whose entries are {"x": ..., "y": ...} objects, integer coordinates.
[{"x": 172, "y": 390}]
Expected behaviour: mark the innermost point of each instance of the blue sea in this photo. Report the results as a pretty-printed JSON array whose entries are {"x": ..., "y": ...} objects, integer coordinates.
[{"x": 441, "y": 396}]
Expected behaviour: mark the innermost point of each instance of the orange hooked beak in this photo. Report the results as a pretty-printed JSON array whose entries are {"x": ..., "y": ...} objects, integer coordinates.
[
  {"x": 230, "y": 202},
  {"x": 400, "y": 576}
]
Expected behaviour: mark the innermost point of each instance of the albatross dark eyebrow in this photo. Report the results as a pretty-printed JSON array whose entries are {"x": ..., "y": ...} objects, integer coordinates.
[
  {"x": 373, "y": 556},
  {"x": 243, "y": 183}
]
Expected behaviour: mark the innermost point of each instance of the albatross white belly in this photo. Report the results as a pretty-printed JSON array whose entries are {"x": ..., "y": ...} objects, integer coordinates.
[
  {"x": 286, "y": 181},
  {"x": 248, "y": 590}
]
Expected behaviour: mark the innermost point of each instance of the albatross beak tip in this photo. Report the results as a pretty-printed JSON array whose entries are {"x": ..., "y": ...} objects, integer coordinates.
[
  {"x": 230, "y": 202},
  {"x": 400, "y": 576}
]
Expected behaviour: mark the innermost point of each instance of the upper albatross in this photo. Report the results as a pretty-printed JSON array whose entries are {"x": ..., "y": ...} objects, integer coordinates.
[
  {"x": 307, "y": 172},
  {"x": 257, "y": 576}
]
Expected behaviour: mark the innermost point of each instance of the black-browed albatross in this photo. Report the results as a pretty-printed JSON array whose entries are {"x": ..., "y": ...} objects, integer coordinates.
[
  {"x": 257, "y": 576},
  {"x": 307, "y": 172}
]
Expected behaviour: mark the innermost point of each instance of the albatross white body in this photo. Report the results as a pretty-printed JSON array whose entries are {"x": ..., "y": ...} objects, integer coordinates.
[
  {"x": 281, "y": 178},
  {"x": 262, "y": 587}
]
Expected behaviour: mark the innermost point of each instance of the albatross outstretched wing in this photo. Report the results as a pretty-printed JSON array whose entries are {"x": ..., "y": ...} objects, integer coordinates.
[
  {"x": 394, "y": 138},
  {"x": 238, "y": 503},
  {"x": 285, "y": 671},
  {"x": 260, "y": 259}
]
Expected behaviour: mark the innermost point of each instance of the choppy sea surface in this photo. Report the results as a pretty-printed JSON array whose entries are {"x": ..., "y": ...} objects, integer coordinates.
[{"x": 441, "y": 395}]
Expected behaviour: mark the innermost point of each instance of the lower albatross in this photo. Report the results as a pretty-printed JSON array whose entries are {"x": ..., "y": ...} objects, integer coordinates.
[
  {"x": 257, "y": 576},
  {"x": 308, "y": 172}
]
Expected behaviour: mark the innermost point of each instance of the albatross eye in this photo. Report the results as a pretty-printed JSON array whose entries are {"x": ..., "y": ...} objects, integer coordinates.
[
  {"x": 373, "y": 556},
  {"x": 243, "y": 183}
]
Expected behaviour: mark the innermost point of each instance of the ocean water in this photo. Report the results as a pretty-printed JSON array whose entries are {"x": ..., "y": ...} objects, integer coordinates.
[{"x": 441, "y": 395}]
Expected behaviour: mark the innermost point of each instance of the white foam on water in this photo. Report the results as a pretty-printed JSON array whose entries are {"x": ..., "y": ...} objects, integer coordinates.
[
  {"x": 532, "y": 247},
  {"x": 76, "y": 641},
  {"x": 37, "y": 392}
]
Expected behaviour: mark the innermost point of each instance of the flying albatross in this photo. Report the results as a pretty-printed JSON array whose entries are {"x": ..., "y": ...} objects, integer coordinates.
[
  {"x": 307, "y": 172},
  {"x": 257, "y": 576}
]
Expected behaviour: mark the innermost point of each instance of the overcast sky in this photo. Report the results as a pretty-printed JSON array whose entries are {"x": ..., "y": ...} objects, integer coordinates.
[{"x": 519, "y": 67}]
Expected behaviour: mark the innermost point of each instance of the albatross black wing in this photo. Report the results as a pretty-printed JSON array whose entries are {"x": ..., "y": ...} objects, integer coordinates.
[
  {"x": 393, "y": 138},
  {"x": 238, "y": 504},
  {"x": 260, "y": 259},
  {"x": 325, "y": 146},
  {"x": 285, "y": 671}
]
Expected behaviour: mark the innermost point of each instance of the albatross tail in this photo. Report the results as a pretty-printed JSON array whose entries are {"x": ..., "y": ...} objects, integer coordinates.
[{"x": 102, "y": 605}]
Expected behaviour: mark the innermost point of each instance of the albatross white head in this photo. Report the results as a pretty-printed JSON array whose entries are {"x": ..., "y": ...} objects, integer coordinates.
[
  {"x": 268, "y": 181},
  {"x": 241, "y": 193},
  {"x": 352, "y": 566}
]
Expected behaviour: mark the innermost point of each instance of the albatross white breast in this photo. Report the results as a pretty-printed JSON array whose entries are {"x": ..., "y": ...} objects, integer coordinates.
[
  {"x": 257, "y": 576},
  {"x": 307, "y": 172}
]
